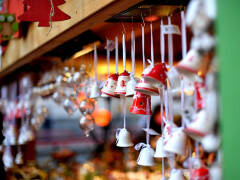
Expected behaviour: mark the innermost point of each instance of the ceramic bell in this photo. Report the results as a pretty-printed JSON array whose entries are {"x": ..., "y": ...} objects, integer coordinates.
[
  {"x": 176, "y": 174},
  {"x": 199, "y": 174},
  {"x": 211, "y": 143},
  {"x": 160, "y": 152},
  {"x": 191, "y": 63},
  {"x": 95, "y": 92},
  {"x": 131, "y": 86},
  {"x": 139, "y": 105},
  {"x": 177, "y": 142},
  {"x": 110, "y": 86},
  {"x": 200, "y": 126},
  {"x": 122, "y": 83},
  {"x": 157, "y": 74},
  {"x": 146, "y": 156},
  {"x": 123, "y": 138},
  {"x": 147, "y": 88},
  {"x": 215, "y": 172}
]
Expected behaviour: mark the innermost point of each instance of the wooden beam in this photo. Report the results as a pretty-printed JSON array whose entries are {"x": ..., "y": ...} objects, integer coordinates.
[{"x": 84, "y": 15}]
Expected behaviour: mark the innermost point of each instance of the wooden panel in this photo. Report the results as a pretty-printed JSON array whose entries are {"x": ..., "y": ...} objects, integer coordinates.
[{"x": 84, "y": 15}]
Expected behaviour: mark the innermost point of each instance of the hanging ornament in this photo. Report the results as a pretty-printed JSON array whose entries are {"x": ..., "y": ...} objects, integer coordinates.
[
  {"x": 43, "y": 11},
  {"x": 87, "y": 106},
  {"x": 8, "y": 26},
  {"x": 86, "y": 123},
  {"x": 69, "y": 107}
]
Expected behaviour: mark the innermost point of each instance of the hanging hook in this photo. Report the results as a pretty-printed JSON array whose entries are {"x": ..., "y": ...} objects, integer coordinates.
[
  {"x": 143, "y": 22},
  {"x": 132, "y": 23},
  {"x": 124, "y": 30}
]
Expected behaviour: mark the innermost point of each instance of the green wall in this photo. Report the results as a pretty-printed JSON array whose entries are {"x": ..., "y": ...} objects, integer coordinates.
[{"x": 228, "y": 29}]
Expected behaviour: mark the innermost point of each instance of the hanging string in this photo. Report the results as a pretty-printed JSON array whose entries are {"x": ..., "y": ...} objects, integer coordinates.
[
  {"x": 133, "y": 51},
  {"x": 124, "y": 111},
  {"x": 108, "y": 57},
  {"x": 143, "y": 48},
  {"x": 170, "y": 107},
  {"x": 95, "y": 62},
  {"x": 170, "y": 46},
  {"x": 197, "y": 149},
  {"x": 184, "y": 36},
  {"x": 152, "y": 50},
  {"x": 182, "y": 100},
  {"x": 50, "y": 16},
  {"x": 162, "y": 40},
  {"x": 116, "y": 54},
  {"x": 148, "y": 122},
  {"x": 162, "y": 126},
  {"x": 124, "y": 51},
  {"x": 166, "y": 104}
]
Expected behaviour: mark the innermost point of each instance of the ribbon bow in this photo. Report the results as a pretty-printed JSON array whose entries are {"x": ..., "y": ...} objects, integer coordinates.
[
  {"x": 150, "y": 62},
  {"x": 140, "y": 146}
]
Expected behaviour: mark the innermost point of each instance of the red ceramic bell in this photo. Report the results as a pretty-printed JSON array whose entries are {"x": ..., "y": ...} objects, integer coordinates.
[
  {"x": 140, "y": 102},
  {"x": 191, "y": 63},
  {"x": 200, "y": 174},
  {"x": 122, "y": 83},
  {"x": 158, "y": 74},
  {"x": 110, "y": 85}
]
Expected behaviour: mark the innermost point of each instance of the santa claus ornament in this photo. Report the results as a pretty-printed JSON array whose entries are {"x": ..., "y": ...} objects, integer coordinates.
[{"x": 43, "y": 11}]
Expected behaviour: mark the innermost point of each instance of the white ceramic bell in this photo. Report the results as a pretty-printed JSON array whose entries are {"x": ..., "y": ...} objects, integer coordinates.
[
  {"x": 201, "y": 126},
  {"x": 215, "y": 172},
  {"x": 123, "y": 138},
  {"x": 191, "y": 63},
  {"x": 160, "y": 152},
  {"x": 122, "y": 83},
  {"x": 146, "y": 156},
  {"x": 176, "y": 174},
  {"x": 211, "y": 143},
  {"x": 110, "y": 86},
  {"x": 95, "y": 92},
  {"x": 177, "y": 142}
]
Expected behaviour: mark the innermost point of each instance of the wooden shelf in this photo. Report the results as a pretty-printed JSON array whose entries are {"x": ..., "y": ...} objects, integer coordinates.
[{"x": 84, "y": 15}]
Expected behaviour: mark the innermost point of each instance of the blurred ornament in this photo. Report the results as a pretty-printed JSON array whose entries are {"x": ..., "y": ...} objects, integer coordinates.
[
  {"x": 102, "y": 117},
  {"x": 8, "y": 158},
  {"x": 69, "y": 107},
  {"x": 57, "y": 98},
  {"x": 176, "y": 174},
  {"x": 215, "y": 172},
  {"x": 19, "y": 158},
  {"x": 86, "y": 123},
  {"x": 95, "y": 92},
  {"x": 201, "y": 174},
  {"x": 87, "y": 106},
  {"x": 211, "y": 143}
]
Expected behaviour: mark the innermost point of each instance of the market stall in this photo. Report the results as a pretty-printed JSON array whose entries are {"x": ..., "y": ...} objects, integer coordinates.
[{"x": 114, "y": 90}]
